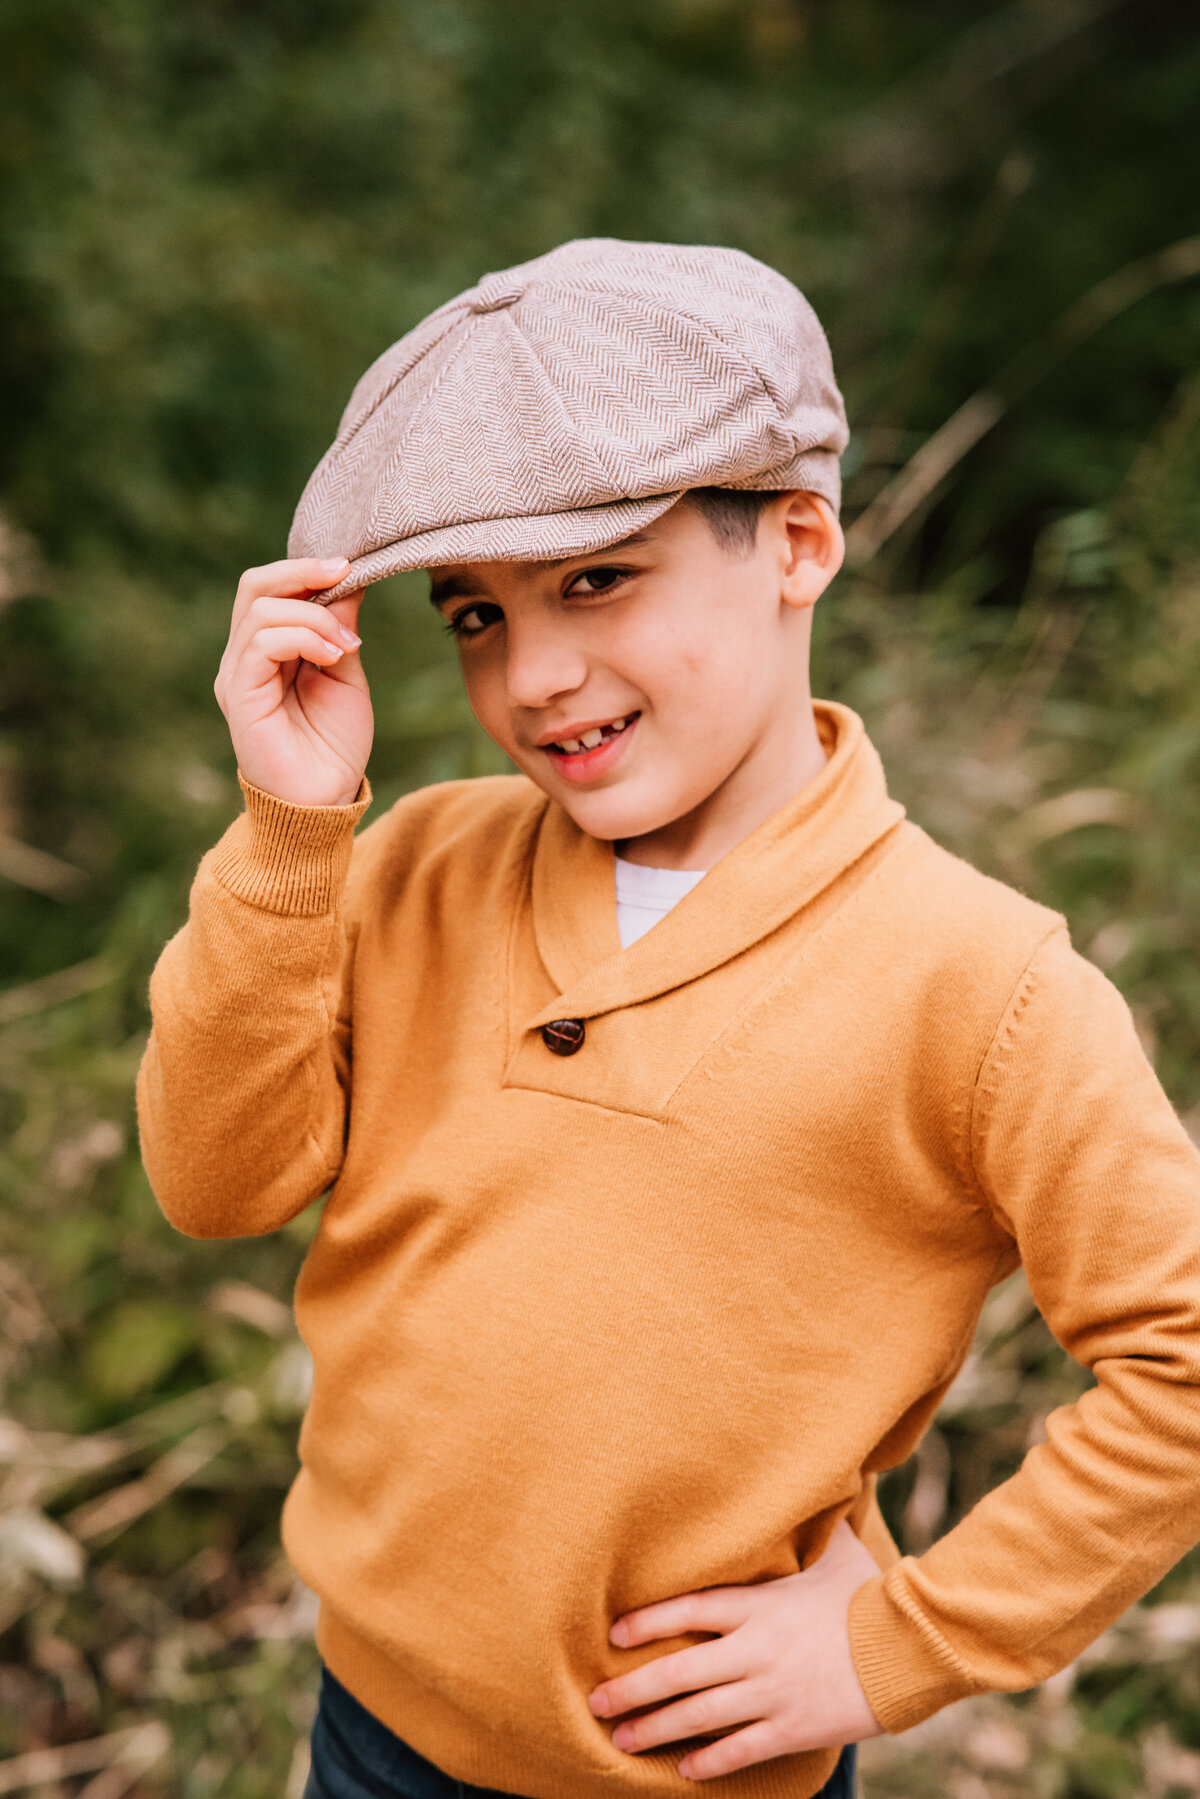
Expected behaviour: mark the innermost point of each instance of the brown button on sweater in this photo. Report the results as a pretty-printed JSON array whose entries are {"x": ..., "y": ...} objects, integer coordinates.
[{"x": 592, "y": 1330}]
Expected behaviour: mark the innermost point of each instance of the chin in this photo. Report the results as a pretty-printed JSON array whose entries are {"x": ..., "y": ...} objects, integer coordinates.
[{"x": 612, "y": 816}]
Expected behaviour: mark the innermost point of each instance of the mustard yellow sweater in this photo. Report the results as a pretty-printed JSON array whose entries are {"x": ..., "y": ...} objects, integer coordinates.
[{"x": 594, "y": 1329}]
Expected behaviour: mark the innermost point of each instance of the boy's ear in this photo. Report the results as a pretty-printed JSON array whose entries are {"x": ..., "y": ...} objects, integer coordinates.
[{"x": 810, "y": 544}]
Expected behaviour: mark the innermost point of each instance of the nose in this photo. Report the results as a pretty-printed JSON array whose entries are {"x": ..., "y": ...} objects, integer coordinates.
[{"x": 544, "y": 661}]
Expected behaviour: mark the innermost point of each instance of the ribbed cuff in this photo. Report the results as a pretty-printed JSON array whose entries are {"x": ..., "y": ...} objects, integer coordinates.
[
  {"x": 907, "y": 1670},
  {"x": 288, "y": 859}
]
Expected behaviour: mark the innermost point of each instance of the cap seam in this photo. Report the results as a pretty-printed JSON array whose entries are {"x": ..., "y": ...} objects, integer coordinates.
[
  {"x": 419, "y": 412},
  {"x": 347, "y": 434},
  {"x": 601, "y": 464},
  {"x": 394, "y": 381},
  {"x": 651, "y": 306},
  {"x": 737, "y": 350},
  {"x": 733, "y": 349}
]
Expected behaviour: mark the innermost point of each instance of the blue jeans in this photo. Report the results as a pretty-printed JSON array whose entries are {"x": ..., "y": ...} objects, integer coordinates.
[{"x": 354, "y": 1756}]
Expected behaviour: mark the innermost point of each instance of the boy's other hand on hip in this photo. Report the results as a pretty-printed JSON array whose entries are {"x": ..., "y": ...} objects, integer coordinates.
[
  {"x": 292, "y": 687},
  {"x": 781, "y": 1665}
]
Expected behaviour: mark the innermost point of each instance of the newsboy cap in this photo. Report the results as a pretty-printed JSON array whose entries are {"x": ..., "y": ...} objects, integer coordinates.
[{"x": 558, "y": 406}]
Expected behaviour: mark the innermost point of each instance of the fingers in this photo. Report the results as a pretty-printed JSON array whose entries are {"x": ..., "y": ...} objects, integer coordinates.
[
  {"x": 695, "y": 1716},
  {"x": 283, "y": 643},
  {"x": 293, "y": 577},
  {"x": 270, "y": 610},
  {"x": 345, "y": 610},
  {"x": 705, "y": 1665},
  {"x": 712, "y": 1608},
  {"x": 344, "y": 613},
  {"x": 274, "y": 631},
  {"x": 758, "y": 1743}
]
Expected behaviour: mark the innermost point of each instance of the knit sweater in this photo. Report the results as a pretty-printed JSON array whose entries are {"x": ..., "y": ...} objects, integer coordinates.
[{"x": 590, "y": 1330}]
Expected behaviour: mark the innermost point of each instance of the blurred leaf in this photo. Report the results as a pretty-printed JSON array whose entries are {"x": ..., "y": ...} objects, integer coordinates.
[{"x": 139, "y": 1342}]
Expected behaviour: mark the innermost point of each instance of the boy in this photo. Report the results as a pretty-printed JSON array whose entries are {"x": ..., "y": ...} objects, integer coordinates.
[{"x": 646, "y": 1249}]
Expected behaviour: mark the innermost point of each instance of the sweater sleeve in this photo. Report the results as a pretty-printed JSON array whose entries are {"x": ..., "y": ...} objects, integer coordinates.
[
  {"x": 242, "y": 1091},
  {"x": 1086, "y": 1166}
]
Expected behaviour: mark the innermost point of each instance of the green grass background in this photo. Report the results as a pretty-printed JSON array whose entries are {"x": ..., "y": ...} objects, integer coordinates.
[{"x": 213, "y": 215}]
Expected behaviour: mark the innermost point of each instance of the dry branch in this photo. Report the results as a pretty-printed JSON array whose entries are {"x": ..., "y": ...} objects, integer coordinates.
[
  {"x": 136, "y": 1749},
  {"x": 37, "y": 869},
  {"x": 54, "y": 989},
  {"x": 929, "y": 466},
  {"x": 118, "y": 1509}
]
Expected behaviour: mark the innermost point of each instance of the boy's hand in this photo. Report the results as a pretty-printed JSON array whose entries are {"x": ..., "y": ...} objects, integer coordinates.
[
  {"x": 292, "y": 687},
  {"x": 782, "y": 1666}
]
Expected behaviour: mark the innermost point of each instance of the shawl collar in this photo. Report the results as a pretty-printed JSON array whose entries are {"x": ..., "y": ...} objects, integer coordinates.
[{"x": 749, "y": 893}]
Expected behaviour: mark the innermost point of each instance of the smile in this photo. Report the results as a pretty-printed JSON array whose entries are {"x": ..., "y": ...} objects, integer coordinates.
[
  {"x": 590, "y": 740},
  {"x": 594, "y": 751}
]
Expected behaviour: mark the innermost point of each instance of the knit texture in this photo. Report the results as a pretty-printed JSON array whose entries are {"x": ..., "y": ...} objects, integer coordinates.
[{"x": 590, "y": 1331}]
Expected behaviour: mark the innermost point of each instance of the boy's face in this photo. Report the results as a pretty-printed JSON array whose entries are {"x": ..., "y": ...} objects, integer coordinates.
[{"x": 662, "y": 683}]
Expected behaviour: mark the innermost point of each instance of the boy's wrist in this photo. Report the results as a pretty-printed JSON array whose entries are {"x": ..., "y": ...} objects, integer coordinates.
[
  {"x": 906, "y": 1670},
  {"x": 253, "y": 794},
  {"x": 286, "y": 858}
]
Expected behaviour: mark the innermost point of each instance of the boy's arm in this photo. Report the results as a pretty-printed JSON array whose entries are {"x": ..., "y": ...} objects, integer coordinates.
[
  {"x": 1082, "y": 1159},
  {"x": 242, "y": 1089}
]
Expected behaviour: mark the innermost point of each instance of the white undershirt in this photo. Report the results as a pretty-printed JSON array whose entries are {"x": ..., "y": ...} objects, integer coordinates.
[{"x": 644, "y": 895}]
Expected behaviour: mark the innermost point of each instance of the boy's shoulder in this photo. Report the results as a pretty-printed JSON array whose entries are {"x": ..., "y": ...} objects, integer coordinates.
[
  {"x": 964, "y": 967},
  {"x": 966, "y": 937},
  {"x": 958, "y": 901},
  {"x": 463, "y": 829}
]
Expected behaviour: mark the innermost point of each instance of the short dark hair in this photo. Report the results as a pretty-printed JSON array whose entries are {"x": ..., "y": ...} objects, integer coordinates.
[{"x": 733, "y": 513}]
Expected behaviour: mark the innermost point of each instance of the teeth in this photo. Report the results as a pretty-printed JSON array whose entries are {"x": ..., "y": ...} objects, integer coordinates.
[{"x": 574, "y": 746}]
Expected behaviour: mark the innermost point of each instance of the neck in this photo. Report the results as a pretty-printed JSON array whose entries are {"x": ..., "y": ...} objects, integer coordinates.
[{"x": 779, "y": 766}]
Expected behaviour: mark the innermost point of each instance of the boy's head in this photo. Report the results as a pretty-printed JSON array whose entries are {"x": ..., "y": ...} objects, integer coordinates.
[
  {"x": 633, "y": 684},
  {"x": 627, "y": 456}
]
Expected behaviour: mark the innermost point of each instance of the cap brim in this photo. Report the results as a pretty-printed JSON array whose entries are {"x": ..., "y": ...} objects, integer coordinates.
[{"x": 547, "y": 539}]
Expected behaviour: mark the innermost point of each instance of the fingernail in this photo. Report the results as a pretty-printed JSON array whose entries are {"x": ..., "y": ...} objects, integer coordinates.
[
  {"x": 331, "y": 564},
  {"x": 618, "y": 1633},
  {"x": 349, "y": 637},
  {"x": 621, "y": 1737},
  {"x": 599, "y": 1704}
]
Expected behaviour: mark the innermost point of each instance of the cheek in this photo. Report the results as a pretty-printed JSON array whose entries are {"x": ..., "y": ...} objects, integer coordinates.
[
  {"x": 664, "y": 655},
  {"x": 486, "y": 697},
  {"x": 700, "y": 672}
]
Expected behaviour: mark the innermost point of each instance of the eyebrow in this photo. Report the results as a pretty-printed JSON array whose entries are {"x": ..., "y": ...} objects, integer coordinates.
[
  {"x": 454, "y": 587},
  {"x": 469, "y": 587}
]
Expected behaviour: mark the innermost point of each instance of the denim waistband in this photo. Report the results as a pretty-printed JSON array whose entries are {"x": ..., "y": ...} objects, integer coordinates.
[{"x": 355, "y": 1756}]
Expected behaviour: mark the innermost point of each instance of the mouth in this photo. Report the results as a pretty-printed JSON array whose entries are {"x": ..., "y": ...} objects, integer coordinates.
[{"x": 594, "y": 751}]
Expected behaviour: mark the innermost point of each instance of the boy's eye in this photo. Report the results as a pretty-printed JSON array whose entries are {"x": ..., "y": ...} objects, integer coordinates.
[
  {"x": 598, "y": 580},
  {"x": 469, "y": 621}
]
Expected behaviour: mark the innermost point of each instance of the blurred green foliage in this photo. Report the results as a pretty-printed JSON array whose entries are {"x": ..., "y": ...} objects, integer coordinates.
[{"x": 212, "y": 217}]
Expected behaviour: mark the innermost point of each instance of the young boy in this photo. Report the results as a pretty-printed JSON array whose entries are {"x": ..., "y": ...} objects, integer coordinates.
[{"x": 647, "y": 1248}]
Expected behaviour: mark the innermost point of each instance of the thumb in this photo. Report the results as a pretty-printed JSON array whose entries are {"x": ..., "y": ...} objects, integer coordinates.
[
  {"x": 349, "y": 671},
  {"x": 345, "y": 610}
]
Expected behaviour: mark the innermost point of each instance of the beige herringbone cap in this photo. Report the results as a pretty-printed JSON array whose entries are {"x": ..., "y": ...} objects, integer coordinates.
[{"x": 557, "y": 407}]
